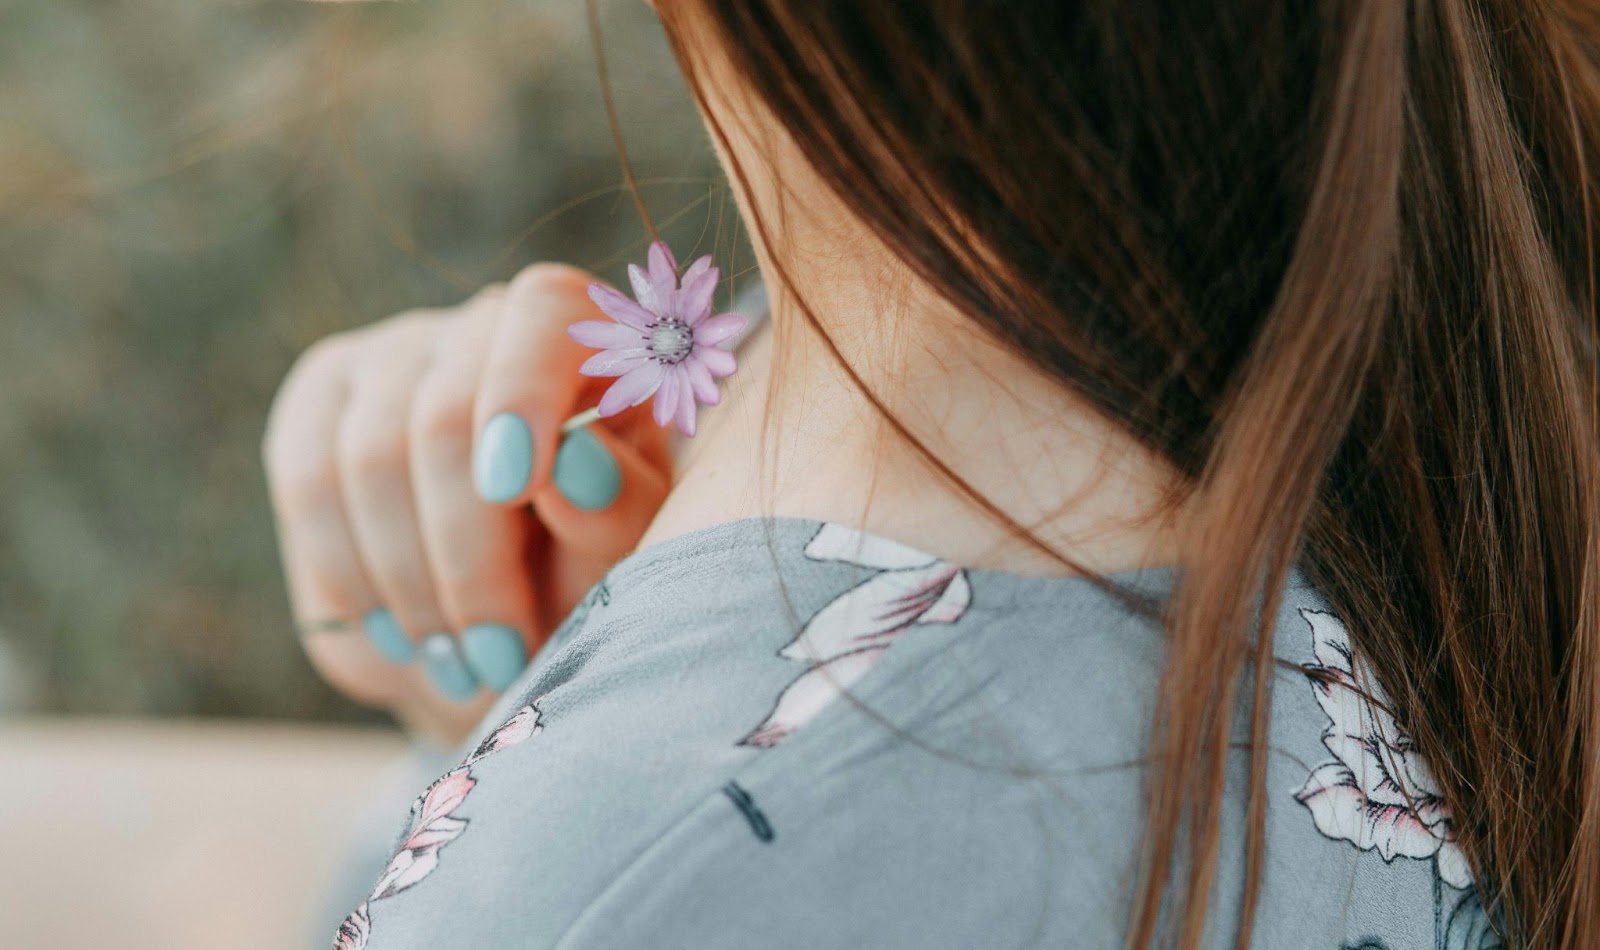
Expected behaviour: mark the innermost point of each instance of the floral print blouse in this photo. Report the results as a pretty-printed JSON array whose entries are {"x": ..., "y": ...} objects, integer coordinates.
[{"x": 679, "y": 767}]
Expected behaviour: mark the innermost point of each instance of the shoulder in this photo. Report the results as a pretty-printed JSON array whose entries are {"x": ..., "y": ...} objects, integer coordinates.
[{"x": 983, "y": 786}]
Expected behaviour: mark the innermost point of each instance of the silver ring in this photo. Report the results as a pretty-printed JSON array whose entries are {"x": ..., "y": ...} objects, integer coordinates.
[{"x": 325, "y": 625}]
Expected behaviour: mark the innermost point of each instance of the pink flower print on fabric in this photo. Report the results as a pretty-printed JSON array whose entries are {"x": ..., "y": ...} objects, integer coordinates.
[
  {"x": 1378, "y": 793},
  {"x": 847, "y": 636},
  {"x": 523, "y": 725},
  {"x": 665, "y": 344},
  {"x": 433, "y": 825}
]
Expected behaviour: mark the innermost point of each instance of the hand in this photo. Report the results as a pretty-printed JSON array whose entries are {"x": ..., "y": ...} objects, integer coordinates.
[{"x": 402, "y": 459}]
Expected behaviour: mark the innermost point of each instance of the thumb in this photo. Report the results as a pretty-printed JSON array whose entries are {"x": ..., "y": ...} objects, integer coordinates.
[{"x": 603, "y": 493}]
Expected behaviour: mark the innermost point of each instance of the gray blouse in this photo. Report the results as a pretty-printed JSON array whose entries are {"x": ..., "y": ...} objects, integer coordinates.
[{"x": 678, "y": 768}]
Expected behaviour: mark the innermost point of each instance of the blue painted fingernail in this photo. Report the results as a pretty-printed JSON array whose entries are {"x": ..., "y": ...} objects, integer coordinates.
[
  {"x": 385, "y": 633},
  {"x": 585, "y": 473},
  {"x": 494, "y": 653},
  {"x": 443, "y": 662},
  {"x": 504, "y": 459}
]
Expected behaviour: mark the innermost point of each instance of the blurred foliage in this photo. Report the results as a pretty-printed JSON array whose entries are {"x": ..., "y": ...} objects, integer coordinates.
[{"x": 190, "y": 194}]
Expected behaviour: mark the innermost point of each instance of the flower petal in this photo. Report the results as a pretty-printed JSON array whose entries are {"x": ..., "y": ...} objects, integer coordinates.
[
  {"x": 404, "y": 870},
  {"x": 663, "y": 266},
  {"x": 1453, "y": 867},
  {"x": 1329, "y": 640},
  {"x": 605, "y": 336},
  {"x": 614, "y": 362},
  {"x": 619, "y": 308},
  {"x": 519, "y": 728},
  {"x": 684, "y": 415},
  {"x": 835, "y": 542},
  {"x": 699, "y": 286},
  {"x": 667, "y": 396},
  {"x": 444, "y": 796},
  {"x": 809, "y": 694},
  {"x": 872, "y": 613},
  {"x": 715, "y": 329},
  {"x": 700, "y": 381},
  {"x": 720, "y": 362},
  {"x": 955, "y": 600},
  {"x": 656, "y": 299},
  {"x": 354, "y": 931},
  {"x": 634, "y": 387}
]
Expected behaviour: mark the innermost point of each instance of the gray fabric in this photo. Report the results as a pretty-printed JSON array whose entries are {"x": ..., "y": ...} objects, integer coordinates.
[{"x": 978, "y": 788}]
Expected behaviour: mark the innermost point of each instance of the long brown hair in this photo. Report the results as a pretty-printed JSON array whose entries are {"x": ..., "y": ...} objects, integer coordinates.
[{"x": 1336, "y": 262}]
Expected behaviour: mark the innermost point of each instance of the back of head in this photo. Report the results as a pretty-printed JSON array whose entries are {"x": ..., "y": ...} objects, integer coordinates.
[{"x": 1334, "y": 261}]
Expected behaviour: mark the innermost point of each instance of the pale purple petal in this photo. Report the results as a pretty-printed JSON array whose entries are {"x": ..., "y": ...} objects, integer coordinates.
[
  {"x": 606, "y": 336},
  {"x": 667, "y": 396},
  {"x": 700, "y": 381},
  {"x": 718, "y": 328},
  {"x": 720, "y": 362},
  {"x": 699, "y": 285},
  {"x": 685, "y": 412},
  {"x": 620, "y": 308},
  {"x": 634, "y": 387},
  {"x": 663, "y": 267},
  {"x": 652, "y": 296},
  {"x": 613, "y": 362}
]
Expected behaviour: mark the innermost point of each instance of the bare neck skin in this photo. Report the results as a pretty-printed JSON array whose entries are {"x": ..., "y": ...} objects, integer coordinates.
[{"x": 1084, "y": 487}]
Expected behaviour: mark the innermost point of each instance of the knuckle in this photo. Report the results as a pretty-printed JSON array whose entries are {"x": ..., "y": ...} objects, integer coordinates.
[
  {"x": 548, "y": 277},
  {"x": 304, "y": 483},
  {"x": 371, "y": 449},
  {"x": 441, "y": 413}
]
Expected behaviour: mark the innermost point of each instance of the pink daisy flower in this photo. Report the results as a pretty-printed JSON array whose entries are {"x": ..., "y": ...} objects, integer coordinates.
[{"x": 665, "y": 345}]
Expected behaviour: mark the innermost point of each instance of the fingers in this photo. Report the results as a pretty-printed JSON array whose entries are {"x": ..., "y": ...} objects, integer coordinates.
[
  {"x": 475, "y": 550},
  {"x": 530, "y": 382},
  {"x": 375, "y": 482},
  {"x": 325, "y": 576},
  {"x": 604, "y": 493}
]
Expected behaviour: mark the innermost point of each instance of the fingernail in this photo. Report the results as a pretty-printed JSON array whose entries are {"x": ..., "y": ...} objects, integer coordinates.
[
  {"x": 443, "y": 662},
  {"x": 504, "y": 460},
  {"x": 585, "y": 473},
  {"x": 385, "y": 633},
  {"x": 494, "y": 653}
]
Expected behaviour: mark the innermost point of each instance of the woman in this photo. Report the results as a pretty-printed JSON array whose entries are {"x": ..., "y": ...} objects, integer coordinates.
[{"x": 1100, "y": 332}]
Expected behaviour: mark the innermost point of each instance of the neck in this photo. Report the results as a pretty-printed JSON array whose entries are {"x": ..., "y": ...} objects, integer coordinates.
[{"x": 1084, "y": 488}]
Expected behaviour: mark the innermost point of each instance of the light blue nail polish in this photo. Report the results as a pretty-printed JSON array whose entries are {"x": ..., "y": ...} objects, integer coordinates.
[
  {"x": 504, "y": 459},
  {"x": 585, "y": 473},
  {"x": 385, "y": 633},
  {"x": 444, "y": 665},
  {"x": 494, "y": 653}
]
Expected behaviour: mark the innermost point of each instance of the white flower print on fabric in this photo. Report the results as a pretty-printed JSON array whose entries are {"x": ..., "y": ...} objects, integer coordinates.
[
  {"x": 843, "y": 639},
  {"x": 354, "y": 931},
  {"x": 1377, "y": 794},
  {"x": 433, "y": 825}
]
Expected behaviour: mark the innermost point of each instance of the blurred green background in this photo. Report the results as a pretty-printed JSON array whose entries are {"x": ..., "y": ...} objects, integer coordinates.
[{"x": 192, "y": 193}]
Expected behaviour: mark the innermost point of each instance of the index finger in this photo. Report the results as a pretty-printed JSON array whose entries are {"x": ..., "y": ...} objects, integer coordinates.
[{"x": 530, "y": 382}]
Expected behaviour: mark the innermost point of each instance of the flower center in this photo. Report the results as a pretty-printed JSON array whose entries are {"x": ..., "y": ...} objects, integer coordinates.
[{"x": 671, "y": 341}]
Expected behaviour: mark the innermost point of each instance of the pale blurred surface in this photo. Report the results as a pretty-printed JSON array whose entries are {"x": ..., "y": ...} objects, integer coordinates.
[{"x": 178, "y": 835}]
